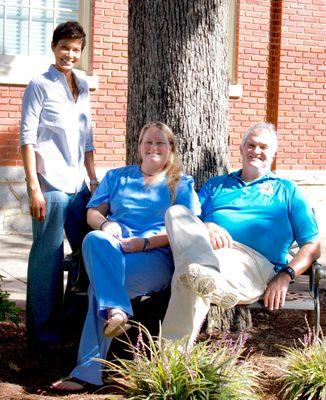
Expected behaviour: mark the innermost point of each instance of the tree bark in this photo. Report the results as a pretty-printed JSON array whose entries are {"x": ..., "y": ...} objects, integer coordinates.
[
  {"x": 178, "y": 74},
  {"x": 236, "y": 319}
]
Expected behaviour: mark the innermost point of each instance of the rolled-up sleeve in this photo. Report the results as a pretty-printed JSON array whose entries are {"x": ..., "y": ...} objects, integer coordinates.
[
  {"x": 103, "y": 191},
  {"x": 89, "y": 140},
  {"x": 302, "y": 218},
  {"x": 31, "y": 110},
  {"x": 186, "y": 194}
]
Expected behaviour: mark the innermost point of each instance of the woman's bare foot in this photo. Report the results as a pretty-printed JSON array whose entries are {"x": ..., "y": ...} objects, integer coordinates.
[{"x": 68, "y": 384}]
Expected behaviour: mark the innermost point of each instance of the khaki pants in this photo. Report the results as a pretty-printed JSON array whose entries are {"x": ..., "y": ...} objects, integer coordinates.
[{"x": 239, "y": 270}]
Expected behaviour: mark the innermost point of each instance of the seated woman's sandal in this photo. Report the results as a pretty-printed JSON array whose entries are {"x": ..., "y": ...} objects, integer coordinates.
[
  {"x": 116, "y": 325},
  {"x": 72, "y": 384}
]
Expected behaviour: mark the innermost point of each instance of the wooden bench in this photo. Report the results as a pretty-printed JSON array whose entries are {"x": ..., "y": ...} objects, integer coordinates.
[{"x": 303, "y": 294}]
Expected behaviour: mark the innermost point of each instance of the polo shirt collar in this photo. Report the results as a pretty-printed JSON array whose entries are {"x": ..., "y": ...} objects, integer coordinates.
[{"x": 237, "y": 175}]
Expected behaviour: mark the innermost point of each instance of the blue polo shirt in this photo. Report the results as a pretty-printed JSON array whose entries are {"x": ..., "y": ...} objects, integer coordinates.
[{"x": 267, "y": 214}]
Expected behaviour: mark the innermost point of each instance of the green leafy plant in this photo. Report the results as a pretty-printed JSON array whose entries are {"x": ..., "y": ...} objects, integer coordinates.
[
  {"x": 8, "y": 309},
  {"x": 304, "y": 369},
  {"x": 165, "y": 370}
]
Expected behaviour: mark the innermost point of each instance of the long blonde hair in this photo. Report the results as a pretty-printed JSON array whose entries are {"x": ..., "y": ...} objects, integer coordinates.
[{"x": 171, "y": 169}]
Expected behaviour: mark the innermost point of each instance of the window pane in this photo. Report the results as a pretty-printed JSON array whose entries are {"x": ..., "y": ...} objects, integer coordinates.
[
  {"x": 69, "y": 4},
  {"x": 64, "y": 16},
  {"x": 16, "y": 37},
  {"x": 70, "y": 11},
  {"x": 42, "y": 3},
  {"x": 41, "y": 32},
  {"x": 16, "y": 2}
]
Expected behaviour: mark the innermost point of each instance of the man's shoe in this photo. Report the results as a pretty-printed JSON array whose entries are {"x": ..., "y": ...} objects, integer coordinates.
[
  {"x": 225, "y": 300},
  {"x": 205, "y": 285}
]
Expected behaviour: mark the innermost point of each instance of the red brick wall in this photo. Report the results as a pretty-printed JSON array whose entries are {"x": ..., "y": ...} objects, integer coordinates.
[
  {"x": 10, "y": 105},
  {"x": 300, "y": 110},
  {"x": 298, "y": 106},
  {"x": 110, "y": 61}
]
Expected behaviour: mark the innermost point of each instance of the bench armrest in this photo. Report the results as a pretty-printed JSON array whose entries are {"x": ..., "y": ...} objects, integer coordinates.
[{"x": 317, "y": 272}]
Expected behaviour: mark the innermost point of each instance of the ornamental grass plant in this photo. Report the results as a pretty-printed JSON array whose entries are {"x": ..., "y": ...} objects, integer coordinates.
[
  {"x": 164, "y": 370},
  {"x": 8, "y": 309},
  {"x": 304, "y": 369}
]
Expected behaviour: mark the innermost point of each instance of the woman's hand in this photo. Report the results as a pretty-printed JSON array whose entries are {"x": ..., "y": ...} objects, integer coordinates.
[
  {"x": 37, "y": 205},
  {"x": 132, "y": 245},
  {"x": 113, "y": 228}
]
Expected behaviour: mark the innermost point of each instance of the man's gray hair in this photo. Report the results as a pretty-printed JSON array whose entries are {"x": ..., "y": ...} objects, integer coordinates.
[{"x": 257, "y": 127}]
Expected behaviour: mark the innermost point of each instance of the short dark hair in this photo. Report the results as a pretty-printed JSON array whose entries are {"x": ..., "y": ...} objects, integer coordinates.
[{"x": 69, "y": 30}]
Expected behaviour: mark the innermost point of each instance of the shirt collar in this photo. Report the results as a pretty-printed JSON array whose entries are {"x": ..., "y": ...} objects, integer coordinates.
[
  {"x": 57, "y": 75},
  {"x": 237, "y": 175},
  {"x": 54, "y": 73}
]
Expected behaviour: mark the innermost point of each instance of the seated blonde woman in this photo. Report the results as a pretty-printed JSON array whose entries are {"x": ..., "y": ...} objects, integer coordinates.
[{"x": 127, "y": 254}]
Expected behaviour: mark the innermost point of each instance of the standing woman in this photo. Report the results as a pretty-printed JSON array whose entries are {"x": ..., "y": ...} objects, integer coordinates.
[
  {"x": 56, "y": 142},
  {"x": 127, "y": 255}
]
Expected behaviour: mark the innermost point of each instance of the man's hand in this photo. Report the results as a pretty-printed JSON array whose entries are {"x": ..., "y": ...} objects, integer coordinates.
[
  {"x": 219, "y": 237},
  {"x": 113, "y": 228},
  {"x": 132, "y": 245},
  {"x": 275, "y": 293},
  {"x": 37, "y": 205}
]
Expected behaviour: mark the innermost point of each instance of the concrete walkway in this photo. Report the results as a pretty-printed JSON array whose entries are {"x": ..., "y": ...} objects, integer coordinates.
[{"x": 14, "y": 250}]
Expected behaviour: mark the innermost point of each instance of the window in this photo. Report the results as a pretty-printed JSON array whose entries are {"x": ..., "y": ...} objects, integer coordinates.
[{"x": 26, "y": 28}]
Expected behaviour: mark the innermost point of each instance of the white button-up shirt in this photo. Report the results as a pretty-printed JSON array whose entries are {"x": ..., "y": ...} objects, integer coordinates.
[{"x": 58, "y": 127}]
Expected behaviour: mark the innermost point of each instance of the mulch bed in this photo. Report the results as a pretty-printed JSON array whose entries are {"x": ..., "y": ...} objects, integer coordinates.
[{"x": 25, "y": 374}]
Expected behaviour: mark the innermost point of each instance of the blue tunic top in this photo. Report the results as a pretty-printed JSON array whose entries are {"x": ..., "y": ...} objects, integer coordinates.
[
  {"x": 139, "y": 208},
  {"x": 267, "y": 214}
]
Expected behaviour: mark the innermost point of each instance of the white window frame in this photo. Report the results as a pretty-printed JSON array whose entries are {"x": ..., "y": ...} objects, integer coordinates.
[
  {"x": 20, "y": 69},
  {"x": 235, "y": 88}
]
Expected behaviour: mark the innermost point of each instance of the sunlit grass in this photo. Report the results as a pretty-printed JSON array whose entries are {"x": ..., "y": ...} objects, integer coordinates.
[
  {"x": 304, "y": 370},
  {"x": 164, "y": 370}
]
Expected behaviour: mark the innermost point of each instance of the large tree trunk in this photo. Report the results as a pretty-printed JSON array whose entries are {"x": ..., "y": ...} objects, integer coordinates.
[{"x": 178, "y": 74}]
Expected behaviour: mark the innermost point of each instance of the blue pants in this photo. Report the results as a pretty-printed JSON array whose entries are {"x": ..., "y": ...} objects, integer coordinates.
[
  {"x": 45, "y": 275},
  {"x": 115, "y": 278}
]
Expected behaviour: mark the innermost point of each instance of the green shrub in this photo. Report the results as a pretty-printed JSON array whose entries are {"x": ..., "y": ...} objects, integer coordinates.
[
  {"x": 164, "y": 370},
  {"x": 8, "y": 309},
  {"x": 304, "y": 370}
]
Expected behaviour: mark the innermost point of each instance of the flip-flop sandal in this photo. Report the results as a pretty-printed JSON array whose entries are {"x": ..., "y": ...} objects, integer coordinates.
[
  {"x": 114, "y": 327},
  {"x": 86, "y": 386}
]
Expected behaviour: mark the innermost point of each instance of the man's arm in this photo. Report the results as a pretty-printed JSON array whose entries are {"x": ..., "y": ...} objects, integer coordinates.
[
  {"x": 90, "y": 168},
  {"x": 31, "y": 109},
  {"x": 275, "y": 293},
  {"x": 37, "y": 203}
]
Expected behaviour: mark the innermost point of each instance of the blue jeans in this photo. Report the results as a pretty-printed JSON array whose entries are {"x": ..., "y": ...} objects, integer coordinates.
[
  {"x": 115, "y": 278},
  {"x": 44, "y": 306}
]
